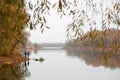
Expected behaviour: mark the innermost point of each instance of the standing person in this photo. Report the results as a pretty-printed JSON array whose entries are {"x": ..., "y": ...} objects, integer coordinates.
[
  {"x": 25, "y": 53},
  {"x": 28, "y": 54}
]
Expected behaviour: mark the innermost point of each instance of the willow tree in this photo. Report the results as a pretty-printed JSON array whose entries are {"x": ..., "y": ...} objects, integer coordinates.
[
  {"x": 92, "y": 15},
  {"x": 86, "y": 14},
  {"x": 13, "y": 19}
]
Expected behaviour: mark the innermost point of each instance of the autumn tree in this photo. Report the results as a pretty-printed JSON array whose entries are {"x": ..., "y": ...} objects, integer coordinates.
[
  {"x": 17, "y": 14},
  {"x": 86, "y": 14},
  {"x": 13, "y": 19}
]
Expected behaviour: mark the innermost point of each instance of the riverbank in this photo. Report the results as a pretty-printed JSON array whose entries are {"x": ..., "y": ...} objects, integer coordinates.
[{"x": 12, "y": 60}]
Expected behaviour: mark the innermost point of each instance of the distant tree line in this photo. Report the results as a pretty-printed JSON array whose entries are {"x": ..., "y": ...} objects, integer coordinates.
[
  {"x": 51, "y": 44},
  {"x": 97, "y": 39}
]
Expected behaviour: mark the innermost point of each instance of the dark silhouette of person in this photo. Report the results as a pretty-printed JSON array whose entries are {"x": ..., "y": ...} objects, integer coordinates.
[
  {"x": 28, "y": 63},
  {"x": 28, "y": 53},
  {"x": 25, "y": 53},
  {"x": 25, "y": 64}
]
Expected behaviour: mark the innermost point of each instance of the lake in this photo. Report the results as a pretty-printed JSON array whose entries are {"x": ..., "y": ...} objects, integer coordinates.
[
  {"x": 71, "y": 65},
  {"x": 64, "y": 65}
]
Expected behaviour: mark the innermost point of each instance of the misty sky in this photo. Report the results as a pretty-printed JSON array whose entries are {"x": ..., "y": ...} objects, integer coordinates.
[
  {"x": 57, "y": 33},
  {"x": 58, "y": 26}
]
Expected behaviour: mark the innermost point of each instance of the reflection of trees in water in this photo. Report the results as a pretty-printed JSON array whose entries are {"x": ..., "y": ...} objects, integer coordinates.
[
  {"x": 14, "y": 72},
  {"x": 95, "y": 58},
  {"x": 35, "y": 51}
]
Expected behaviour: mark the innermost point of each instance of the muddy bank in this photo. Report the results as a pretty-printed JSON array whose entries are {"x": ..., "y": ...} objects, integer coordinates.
[{"x": 12, "y": 60}]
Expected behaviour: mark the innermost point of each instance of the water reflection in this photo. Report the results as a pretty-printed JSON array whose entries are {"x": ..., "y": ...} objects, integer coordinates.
[
  {"x": 72, "y": 65},
  {"x": 95, "y": 58},
  {"x": 14, "y": 72},
  {"x": 25, "y": 64}
]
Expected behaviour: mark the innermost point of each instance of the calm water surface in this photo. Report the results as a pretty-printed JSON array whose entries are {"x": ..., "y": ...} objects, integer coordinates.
[
  {"x": 71, "y": 65},
  {"x": 63, "y": 65}
]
